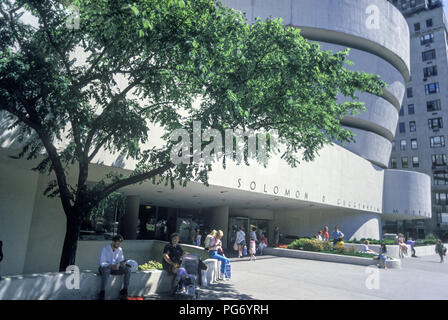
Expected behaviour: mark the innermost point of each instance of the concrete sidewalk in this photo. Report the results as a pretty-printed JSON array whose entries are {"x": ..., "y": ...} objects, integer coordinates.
[{"x": 275, "y": 278}]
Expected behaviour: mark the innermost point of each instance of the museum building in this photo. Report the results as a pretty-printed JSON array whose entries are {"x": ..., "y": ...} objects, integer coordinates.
[{"x": 348, "y": 186}]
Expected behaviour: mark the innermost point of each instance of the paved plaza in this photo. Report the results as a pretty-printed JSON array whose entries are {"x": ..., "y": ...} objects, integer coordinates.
[{"x": 277, "y": 278}]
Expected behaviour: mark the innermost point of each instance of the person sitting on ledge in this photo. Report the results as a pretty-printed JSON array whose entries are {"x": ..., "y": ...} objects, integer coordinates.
[
  {"x": 366, "y": 249},
  {"x": 112, "y": 262},
  {"x": 172, "y": 255}
]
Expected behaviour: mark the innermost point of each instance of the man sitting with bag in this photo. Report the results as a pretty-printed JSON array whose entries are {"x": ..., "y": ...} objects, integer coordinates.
[{"x": 172, "y": 254}]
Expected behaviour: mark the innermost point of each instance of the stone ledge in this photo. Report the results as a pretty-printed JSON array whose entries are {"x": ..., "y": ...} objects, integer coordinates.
[
  {"x": 328, "y": 257},
  {"x": 52, "y": 285}
]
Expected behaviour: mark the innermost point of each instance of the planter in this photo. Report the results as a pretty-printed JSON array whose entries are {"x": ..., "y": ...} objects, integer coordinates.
[{"x": 329, "y": 257}]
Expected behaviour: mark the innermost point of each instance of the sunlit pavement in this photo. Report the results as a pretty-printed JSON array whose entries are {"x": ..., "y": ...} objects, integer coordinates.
[{"x": 277, "y": 278}]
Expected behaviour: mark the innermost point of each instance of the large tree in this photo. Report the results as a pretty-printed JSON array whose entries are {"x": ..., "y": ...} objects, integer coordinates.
[{"x": 59, "y": 90}]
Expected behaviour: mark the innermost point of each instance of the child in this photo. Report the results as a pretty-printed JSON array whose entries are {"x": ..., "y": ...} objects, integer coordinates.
[
  {"x": 252, "y": 249},
  {"x": 198, "y": 236},
  {"x": 382, "y": 256}
]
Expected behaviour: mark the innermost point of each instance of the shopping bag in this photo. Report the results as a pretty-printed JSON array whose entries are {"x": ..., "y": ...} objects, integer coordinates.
[
  {"x": 245, "y": 251},
  {"x": 235, "y": 246},
  {"x": 227, "y": 271}
]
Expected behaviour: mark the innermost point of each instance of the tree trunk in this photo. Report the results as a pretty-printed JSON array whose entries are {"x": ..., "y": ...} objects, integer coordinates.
[{"x": 73, "y": 228}]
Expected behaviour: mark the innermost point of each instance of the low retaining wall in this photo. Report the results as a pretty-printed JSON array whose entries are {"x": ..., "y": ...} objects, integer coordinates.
[
  {"x": 328, "y": 257},
  {"x": 427, "y": 250},
  {"x": 393, "y": 251},
  {"x": 53, "y": 285},
  {"x": 142, "y": 251}
]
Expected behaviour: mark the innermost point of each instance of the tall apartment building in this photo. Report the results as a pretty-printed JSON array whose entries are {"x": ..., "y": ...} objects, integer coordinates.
[{"x": 421, "y": 137}]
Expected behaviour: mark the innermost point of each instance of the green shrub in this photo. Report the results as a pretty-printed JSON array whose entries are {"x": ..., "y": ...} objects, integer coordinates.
[
  {"x": 309, "y": 245},
  {"x": 326, "y": 245},
  {"x": 297, "y": 244},
  {"x": 151, "y": 265},
  {"x": 312, "y": 245}
]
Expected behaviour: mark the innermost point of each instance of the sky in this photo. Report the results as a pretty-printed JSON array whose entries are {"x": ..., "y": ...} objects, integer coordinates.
[{"x": 445, "y": 2}]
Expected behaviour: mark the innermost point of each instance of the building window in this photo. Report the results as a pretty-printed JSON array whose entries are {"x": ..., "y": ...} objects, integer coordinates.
[
  {"x": 415, "y": 162},
  {"x": 417, "y": 27},
  {"x": 441, "y": 198},
  {"x": 412, "y": 126},
  {"x": 402, "y": 127},
  {"x": 429, "y": 55},
  {"x": 403, "y": 145},
  {"x": 411, "y": 109},
  {"x": 393, "y": 145},
  {"x": 431, "y": 88},
  {"x": 430, "y": 71},
  {"x": 438, "y": 159},
  {"x": 435, "y": 124},
  {"x": 440, "y": 178},
  {"x": 401, "y": 111},
  {"x": 414, "y": 145},
  {"x": 427, "y": 38},
  {"x": 393, "y": 163},
  {"x": 437, "y": 142},
  {"x": 429, "y": 23},
  {"x": 404, "y": 162},
  {"x": 409, "y": 93},
  {"x": 433, "y": 105}
]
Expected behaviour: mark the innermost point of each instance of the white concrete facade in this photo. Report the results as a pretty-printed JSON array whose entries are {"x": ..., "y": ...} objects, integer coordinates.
[{"x": 344, "y": 186}]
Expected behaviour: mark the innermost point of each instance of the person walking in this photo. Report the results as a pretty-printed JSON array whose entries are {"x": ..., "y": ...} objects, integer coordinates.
[
  {"x": 440, "y": 249},
  {"x": 252, "y": 249},
  {"x": 111, "y": 261},
  {"x": 214, "y": 247},
  {"x": 253, "y": 234},
  {"x": 240, "y": 241},
  {"x": 403, "y": 247},
  {"x": 325, "y": 234},
  {"x": 412, "y": 244},
  {"x": 276, "y": 236}
]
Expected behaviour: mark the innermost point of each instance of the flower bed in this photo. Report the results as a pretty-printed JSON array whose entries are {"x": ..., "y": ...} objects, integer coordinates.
[{"x": 325, "y": 247}]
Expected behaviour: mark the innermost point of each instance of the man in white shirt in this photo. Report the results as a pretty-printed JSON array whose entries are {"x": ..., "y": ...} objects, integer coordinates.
[{"x": 112, "y": 262}]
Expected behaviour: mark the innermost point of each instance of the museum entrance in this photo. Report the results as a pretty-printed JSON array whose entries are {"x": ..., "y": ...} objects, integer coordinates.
[{"x": 235, "y": 223}]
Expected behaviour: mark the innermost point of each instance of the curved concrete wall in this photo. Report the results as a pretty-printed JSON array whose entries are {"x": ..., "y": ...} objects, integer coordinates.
[
  {"x": 371, "y": 63},
  {"x": 381, "y": 48},
  {"x": 406, "y": 195},
  {"x": 346, "y": 23},
  {"x": 381, "y": 117},
  {"x": 370, "y": 146}
]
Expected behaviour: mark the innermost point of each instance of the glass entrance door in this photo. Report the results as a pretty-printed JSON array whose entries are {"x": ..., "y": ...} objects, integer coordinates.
[
  {"x": 262, "y": 227},
  {"x": 234, "y": 225}
]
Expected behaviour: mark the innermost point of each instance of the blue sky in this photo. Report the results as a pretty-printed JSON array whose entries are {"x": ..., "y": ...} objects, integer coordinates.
[{"x": 445, "y": 2}]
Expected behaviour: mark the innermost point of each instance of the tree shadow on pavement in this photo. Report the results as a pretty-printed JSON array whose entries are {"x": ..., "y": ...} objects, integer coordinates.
[{"x": 223, "y": 291}]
